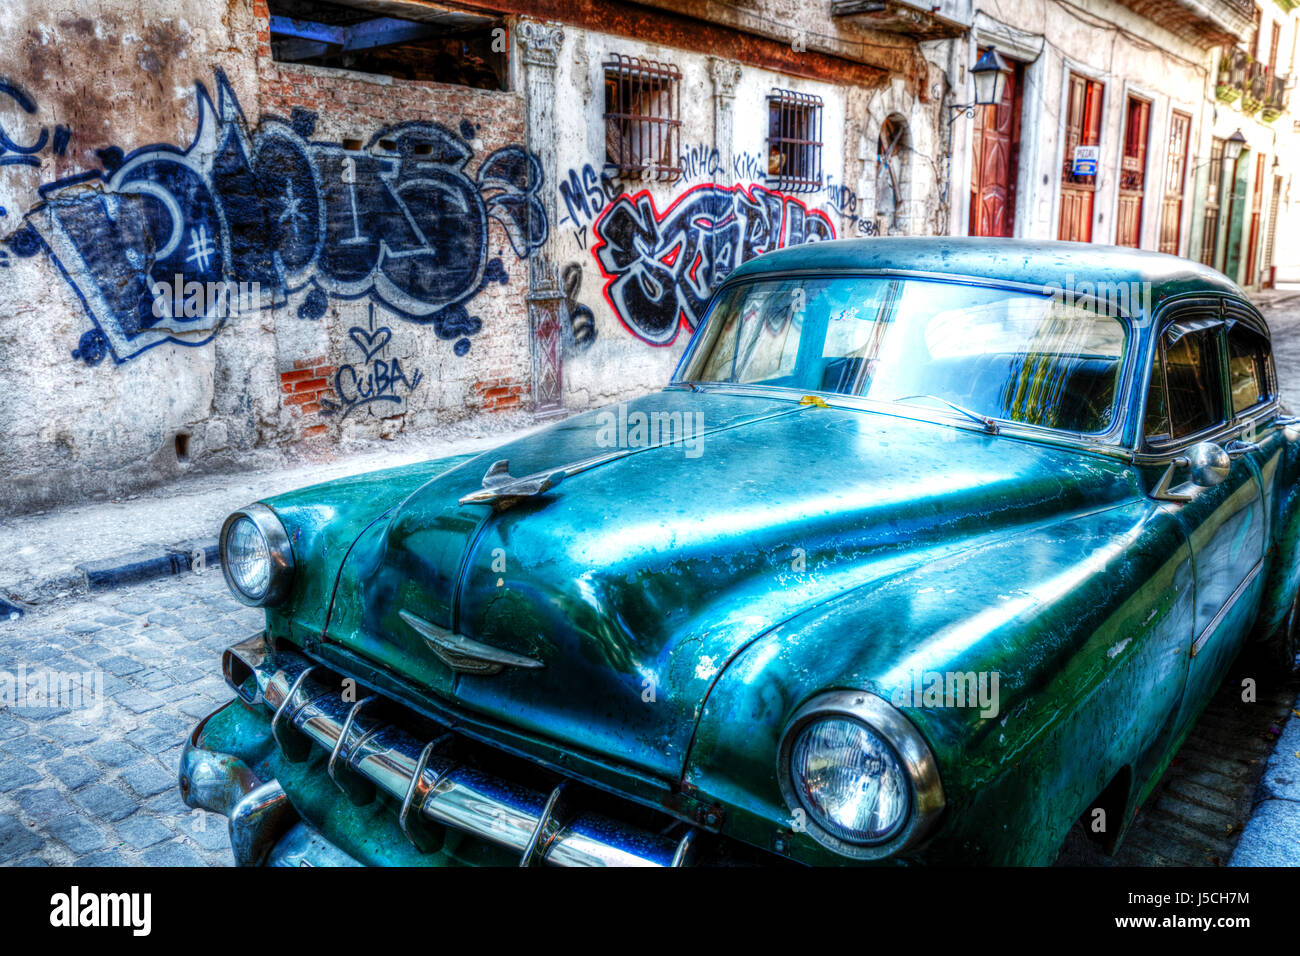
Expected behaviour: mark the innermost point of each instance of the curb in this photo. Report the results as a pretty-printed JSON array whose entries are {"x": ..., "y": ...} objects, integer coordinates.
[
  {"x": 148, "y": 563},
  {"x": 144, "y": 564}
]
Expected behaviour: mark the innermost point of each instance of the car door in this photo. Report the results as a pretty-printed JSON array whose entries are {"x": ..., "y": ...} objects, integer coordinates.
[{"x": 1190, "y": 403}]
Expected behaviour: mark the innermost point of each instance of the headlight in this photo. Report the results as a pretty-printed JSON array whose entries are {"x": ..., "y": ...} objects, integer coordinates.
[
  {"x": 256, "y": 558},
  {"x": 849, "y": 780},
  {"x": 859, "y": 774}
]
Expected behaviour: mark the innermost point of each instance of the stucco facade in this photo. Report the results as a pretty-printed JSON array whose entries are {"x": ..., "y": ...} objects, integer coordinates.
[
  {"x": 1176, "y": 71},
  {"x": 217, "y": 251}
]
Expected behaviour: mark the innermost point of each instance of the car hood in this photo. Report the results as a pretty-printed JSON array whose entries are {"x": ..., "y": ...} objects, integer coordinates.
[{"x": 633, "y": 584}]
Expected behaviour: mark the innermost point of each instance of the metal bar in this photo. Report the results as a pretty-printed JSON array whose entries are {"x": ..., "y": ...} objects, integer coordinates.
[
  {"x": 423, "y": 837},
  {"x": 358, "y": 789},
  {"x": 548, "y": 824},
  {"x": 293, "y": 745}
]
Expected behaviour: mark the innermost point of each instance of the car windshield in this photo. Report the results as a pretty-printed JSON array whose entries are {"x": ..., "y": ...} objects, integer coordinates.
[{"x": 962, "y": 349}]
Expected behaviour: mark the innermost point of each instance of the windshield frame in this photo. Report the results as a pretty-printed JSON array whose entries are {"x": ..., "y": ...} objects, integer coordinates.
[{"x": 1115, "y": 439}]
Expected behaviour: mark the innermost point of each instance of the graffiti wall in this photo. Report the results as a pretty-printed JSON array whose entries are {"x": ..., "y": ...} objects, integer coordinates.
[
  {"x": 642, "y": 258},
  {"x": 398, "y": 221},
  {"x": 202, "y": 248},
  {"x": 245, "y": 254}
]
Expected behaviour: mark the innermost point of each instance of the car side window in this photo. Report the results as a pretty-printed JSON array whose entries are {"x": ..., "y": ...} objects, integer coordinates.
[
  {"x": 1247, "y": 367},
  {"x": 1193, "y": 380},
  {"x": 1156, "y": 424}
]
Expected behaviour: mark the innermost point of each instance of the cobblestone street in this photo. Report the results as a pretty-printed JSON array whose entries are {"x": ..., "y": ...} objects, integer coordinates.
[{"x": 100, "y": 788}]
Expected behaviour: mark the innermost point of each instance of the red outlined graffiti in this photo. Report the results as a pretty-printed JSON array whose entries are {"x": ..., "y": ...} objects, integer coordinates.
[{"x": 661, "y": 267}]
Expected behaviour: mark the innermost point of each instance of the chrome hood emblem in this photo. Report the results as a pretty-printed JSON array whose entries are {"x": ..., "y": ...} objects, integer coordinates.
[
  {"x": 463, "y": 655},
  {"x": 502, "y": 489}
]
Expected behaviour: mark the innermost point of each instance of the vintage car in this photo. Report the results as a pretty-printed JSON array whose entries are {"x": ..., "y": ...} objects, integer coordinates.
[{"x": 930, "y": 549}]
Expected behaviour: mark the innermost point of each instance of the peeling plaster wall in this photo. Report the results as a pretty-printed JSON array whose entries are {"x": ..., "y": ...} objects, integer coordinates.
[
  {"x": 613, "y": 351},
  {"x": 107, "y": 76},
  {"x": 385, "y": 227}
]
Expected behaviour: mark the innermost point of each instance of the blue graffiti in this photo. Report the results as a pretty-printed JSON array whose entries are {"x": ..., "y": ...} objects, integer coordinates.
[
  {"x": 400, "y": 222},
  {"x": 24, "y": 154},
  {"x": 374, "y": 378},
  {"x": 586, "y": 193}
]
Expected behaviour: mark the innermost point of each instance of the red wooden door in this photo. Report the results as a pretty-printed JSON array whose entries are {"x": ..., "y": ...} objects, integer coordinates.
[
  {"x": 1082, "y": 128},
  {"x": 996, "y": 169},
  {"x": 1133, "y": 173},
  {"x": 1171, "y": 213}
]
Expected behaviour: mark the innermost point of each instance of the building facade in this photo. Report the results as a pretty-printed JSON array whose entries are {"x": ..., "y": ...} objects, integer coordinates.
[
  {"x": 1156, "y": 94},
  {"x": 270, "y": 227}
]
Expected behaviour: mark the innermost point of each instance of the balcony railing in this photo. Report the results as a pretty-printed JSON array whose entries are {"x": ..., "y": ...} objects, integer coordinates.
[{"x": 1259, "y": 89}]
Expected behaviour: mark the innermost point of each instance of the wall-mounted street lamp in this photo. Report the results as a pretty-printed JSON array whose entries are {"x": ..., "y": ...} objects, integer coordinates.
[
  {"x": 1233, "y": 146},
  {"x": 990, "y": 74}
]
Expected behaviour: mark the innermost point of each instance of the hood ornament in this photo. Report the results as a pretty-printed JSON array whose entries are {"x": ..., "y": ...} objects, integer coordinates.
[
  {"x": 463, "y": 655},
  {"x": 501, "y": 489}
]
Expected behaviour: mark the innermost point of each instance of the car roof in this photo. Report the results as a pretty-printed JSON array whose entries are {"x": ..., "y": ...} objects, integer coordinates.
[{"x": 1022, "y": 261}]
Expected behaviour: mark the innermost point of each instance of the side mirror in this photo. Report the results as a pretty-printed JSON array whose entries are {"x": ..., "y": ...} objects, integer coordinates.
[{"x": 1209, "y": 464}]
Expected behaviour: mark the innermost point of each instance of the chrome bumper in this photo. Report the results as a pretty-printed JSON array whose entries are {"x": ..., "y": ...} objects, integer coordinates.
[{"x": 368, "y": 754}]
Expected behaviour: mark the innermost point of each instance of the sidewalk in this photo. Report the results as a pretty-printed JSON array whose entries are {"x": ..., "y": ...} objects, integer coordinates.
[
  {"x": 1272, "y": 835},
  {"x": 43, "y": 556}
]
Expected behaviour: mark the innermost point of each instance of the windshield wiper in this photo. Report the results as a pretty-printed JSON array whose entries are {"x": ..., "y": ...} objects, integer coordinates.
[{"x": 990, "y": 426}]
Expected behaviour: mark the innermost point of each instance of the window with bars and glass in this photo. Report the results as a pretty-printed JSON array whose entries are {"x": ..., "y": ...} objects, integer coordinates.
[
  {"x": 642, "y": 119},
  {"x": 794, "y": 141}
]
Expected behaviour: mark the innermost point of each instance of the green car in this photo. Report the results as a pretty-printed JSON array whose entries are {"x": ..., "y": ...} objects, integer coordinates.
[{"x": 930, "y": 549}]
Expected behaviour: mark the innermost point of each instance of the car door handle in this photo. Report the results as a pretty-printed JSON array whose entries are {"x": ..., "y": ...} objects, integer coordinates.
[{"x": 1236, "y": 448}]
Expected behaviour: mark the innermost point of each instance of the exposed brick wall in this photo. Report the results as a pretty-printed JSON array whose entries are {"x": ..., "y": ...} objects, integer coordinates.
[
  {"x": 501, "y": 394},
  {"x": 301, "y": 388}
]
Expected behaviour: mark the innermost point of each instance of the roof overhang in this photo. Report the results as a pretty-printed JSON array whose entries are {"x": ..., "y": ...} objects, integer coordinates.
[{"x": 923, "y": 20}]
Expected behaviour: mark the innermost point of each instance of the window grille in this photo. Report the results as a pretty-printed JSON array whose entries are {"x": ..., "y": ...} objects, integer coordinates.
[
  {"x": 642, "y": 125},
  {"x": 794, "y": 141}
]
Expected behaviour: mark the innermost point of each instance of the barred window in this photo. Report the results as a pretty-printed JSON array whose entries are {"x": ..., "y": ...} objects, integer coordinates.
[
  {"x": 642, "y": 128},
  {"x": 794, "y": 141}
]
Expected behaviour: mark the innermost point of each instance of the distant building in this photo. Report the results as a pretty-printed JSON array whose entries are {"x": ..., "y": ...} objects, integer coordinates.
[{"x": 1160, "y": 88}]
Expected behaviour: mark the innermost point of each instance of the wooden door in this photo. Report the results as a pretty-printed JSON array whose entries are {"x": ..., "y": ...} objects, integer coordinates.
[
  {"x": 1171, "y": 212},
  {"x": 1082, "y": 128},
  {"x": 1133, "y": 173},
  {"x": 1256, "y": 208},
  {"x": 1210, "y": 215},
  {"x": 996, "y": 143}
]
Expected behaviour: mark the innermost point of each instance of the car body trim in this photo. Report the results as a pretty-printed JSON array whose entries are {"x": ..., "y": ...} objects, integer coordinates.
[
  {"x": 439, "y": 792},
  {"x": 1233, "y": 598}
]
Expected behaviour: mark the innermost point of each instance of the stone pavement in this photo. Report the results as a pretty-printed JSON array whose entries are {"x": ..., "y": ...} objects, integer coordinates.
[
  {"x": 1272, "y": 837},
  {"x": 97, "y": 785}
]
